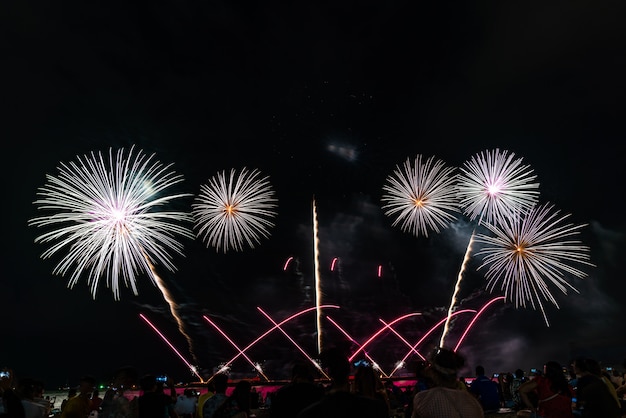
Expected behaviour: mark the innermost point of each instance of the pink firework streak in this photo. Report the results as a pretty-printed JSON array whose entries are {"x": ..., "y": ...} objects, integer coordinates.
[
  {"x": 317, "y": 366},
  {"x": 255, "y": 365},
  {"x": 332, "y": 265},
  {"x": 344, "y": 332},
  {"x": 192, "y": 368},
  {"x": 284, "y": 321},
  {"x": 287, "y": 263},
  {"x": 425, "y": 336},
  {"x": 388, "y": 326},
  {"x": 377, "y": 333},
  {"x": 475, "y": 319}
]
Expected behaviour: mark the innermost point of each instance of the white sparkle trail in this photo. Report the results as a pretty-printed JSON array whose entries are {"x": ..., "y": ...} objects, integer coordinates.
[{"x": 318, "y": 286}]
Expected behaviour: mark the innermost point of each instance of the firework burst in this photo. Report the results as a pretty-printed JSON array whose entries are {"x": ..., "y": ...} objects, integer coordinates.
[
  {"x": 526, "y": 254},
  {"x": 493, "y": 184},
  {"x": 421, "y": 196},
  {"x": 106, "y": 214},
  {"x": 236, "y": 209}
]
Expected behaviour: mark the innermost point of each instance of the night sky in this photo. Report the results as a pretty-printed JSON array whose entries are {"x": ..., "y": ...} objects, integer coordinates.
[{"x": 325, "y": 99}]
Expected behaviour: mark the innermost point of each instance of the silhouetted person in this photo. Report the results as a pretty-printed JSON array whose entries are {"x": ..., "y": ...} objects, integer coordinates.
[
  {"x": 32, "y": 408},
  {"x": 80, "y": 405},
  {"x": 11, "y": 401},
  {"x": 114, "y": 403},
  {"x": 293, "y": 397},
  {"x": 153, "y": 403},
  {"x": 518, "y": 379},
  {"x": 595, "y": 398},
  {"x": 367, "y": 384},
  {"x": 444, "y": 396},
  {"x": 339, "y": 402},
  {"x": 237, "y": 405},
  {"x": 486, "y": 391},
  {"x": 96, "y": 401},
  {"x": 553, "y": 393},
  {"x": 210, "y": 391},
  {"x": 220, "y": 383},
  {"x": 186, "y": 404},
  {"x": 70, "y": 394}
]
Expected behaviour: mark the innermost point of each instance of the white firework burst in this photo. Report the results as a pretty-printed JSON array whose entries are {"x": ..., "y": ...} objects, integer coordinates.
[
  {"x": 421, "y": 196},
  {"x": 531, "y": 253},
  {"x": 233, "y": 210},
  {"x": 106, "y": 214},
  {"x": 493, "y": 185}
]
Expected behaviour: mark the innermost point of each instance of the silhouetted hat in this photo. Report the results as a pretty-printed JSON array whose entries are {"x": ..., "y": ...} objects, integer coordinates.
[{"x": 447, "y": 361}]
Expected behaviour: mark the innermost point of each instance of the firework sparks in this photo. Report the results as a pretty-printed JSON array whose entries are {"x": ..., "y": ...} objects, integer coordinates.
[
  {"x": 234, "y": 210},
  {"x": 318, "y": 284},
  {"x": 105, "y": 214},
  {"x": 527, "y": 253},
  {"x": 421, "y": 196},
  {"x": 494, "y": 184}
]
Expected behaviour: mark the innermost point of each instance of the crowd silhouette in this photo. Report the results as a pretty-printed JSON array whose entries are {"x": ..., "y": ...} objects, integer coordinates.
[{"x": 582, "y": 388}]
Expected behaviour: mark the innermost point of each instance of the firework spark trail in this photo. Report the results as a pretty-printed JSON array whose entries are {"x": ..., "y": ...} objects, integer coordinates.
[
  {"x": 457, "y": 288},
  {"x": 173, "y": 309},
  {"x": 421, "y": 196},
  {"x": 318, "y": 285},
  {"x": 375, "y": 365},
  {"x": 256, "y": 366},
  {"x": 193, "y": 369},
  {"x": 284, "y": 321},
  {"x": 317, "y": 366},
  {"x": 106, "y": 214},
  {"x": 229, "y": 213},
  {"x": 530, "y": 251},
  {"x": 430, "y": 331},
  {"x": 471, "y": 324},
  {"x": 493, "y": 187}
]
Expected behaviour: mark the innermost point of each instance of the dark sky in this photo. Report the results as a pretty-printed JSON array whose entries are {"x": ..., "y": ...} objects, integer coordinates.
[{"x": 286, "y": 89}]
